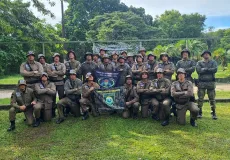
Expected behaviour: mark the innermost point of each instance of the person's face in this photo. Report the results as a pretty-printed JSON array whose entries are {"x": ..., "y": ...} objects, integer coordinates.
[
  {"x": 139, "y": 59},
  {"x": 142, "y": 53},
  {"x": 129, "y": 81},
  {"x": 106, "y": 60},
  {"x": 89, "y": 58},
  {"x": 115, "y": 56},
  {"x": 22, "y": 87},
  {"x": 121, "y": 61},
  {"x": 56, "y": 59},
  {"x": 44, "y": 78},
  {"x": 31, "y": 57},
  {"x": 164, "y": 58},
  {"x": 130, "y": 59},
  {"x": 144, "y": 76},
  {"x": 95, "y": 58},
  {"x": 90, "y": 78},
  {"x": 42, "y": 60},
  {"x": 185, "y": 55},
  {"x": 73, "y": 76},
  {"x": 151, "y": 58},
  {"x": 71, "y": 55},
  {"x": 102, "y": 53},
  {"x": 124, "y": 54},
  {"x": 181, "y": 76},
  {"x": 159, "y": 75},
  {"x": 206, "y": 56}
]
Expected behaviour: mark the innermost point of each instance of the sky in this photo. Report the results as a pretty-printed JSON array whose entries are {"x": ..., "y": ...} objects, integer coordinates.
[{"x": 216, "y": 11}]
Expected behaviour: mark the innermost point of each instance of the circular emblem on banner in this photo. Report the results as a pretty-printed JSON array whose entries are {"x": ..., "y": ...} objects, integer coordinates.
[
  {"x": 109, "y": 101},
  {"x": 106, "y": 82}
]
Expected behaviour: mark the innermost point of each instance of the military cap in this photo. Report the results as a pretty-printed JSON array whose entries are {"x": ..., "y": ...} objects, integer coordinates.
[
  {"x": 88, "y": 54},
  {"x": 144, "y": 71},
  {"x": 185, "y": 50},
  {"x": 44, "y": 74},
  {"x": 163, "y": 54},
  {"x": 160, "y": 70},
  {"x": 128, "y": 76},
  {"x": 121, "y": 57},
  {"x": 40, "y": 56},
  {"x": 206, "y": 51},
  {"x": 30, "y": 53},
  {"x": 56, "y": 54},
  {"x": 142, "y": 49},
  {"x": 21, "y": 82},
  {"x": 88, "y": 75},
  {"x": 151, "y": 54},
  {"x": 130, "y": 54},
  {"x": 72, "y": 71},
  {"x": 181, "y": 70},
  {"x": 105, "y": 56}
]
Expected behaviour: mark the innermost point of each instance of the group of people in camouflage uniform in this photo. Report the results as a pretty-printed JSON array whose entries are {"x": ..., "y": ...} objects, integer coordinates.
[{"x": 147, "y": 82}]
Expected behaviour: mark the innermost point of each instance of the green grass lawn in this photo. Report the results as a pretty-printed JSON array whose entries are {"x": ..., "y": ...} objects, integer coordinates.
[
  {"x": 10, "y": 79},
  {"x": 4, "y": 101},
  {"x": 111, "y": 137}
]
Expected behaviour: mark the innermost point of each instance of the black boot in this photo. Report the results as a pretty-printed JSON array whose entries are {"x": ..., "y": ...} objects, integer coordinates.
[
  {"x": 37, "y": 122},
  {"x": 193, "y": 122},
  {"x": 213, "y": 113},
  {"x": 53, "y": 112},
  {"x": 85, "y": 115},
  {"x": 199, "y": 113},
  {"x": 165, "y": 122},
  {"x": 173, "y": 109},
  {"x": 135, "y": 115},
  {"x": 12, "y": 126},
  {"x": 155, "y": 117},
  {"x": 60, "y": 120}
]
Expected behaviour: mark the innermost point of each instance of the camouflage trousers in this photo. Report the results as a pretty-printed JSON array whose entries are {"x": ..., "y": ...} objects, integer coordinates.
[
  {"x": 131, "y": 109},
  {"x": 182, "y": 109},
  {"x": 66, "y": 102},
  {"x": 211, "y": 96},
  {"x": 86, "y": 105},
  {"x": 161, "y": 108},
  {"x": 28, "y": 114},
  {"x": 45, "y": 109}
]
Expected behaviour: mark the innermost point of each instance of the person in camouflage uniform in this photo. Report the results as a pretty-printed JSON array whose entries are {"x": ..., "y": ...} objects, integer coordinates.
[
  {"x": 168, "y": 67},
  {"x": 96, "y": 59},
  {"x": 102, "y": 52},
  {"x": 132, "y": 104},
  {"x": 45, "y": 92},
  {"x": 42, "y": 60},
  {"x": 106, "y": 65},
  {"x": 31, "y": 70},
  {"x": 56, "y": 72},
  {"x": 87, "y": 66},
  {"x": 124, "y": 70},
  {"x": 143, "y": 91},
  {"x": 151, "y": 64},
  {"x": 142, "y": 51},
  {"x": 161, "y": 103},
  {"x": 138, "y": 67},
  {"x": 114, "y": 58},
  {"x": 71, "y": 63},
  {"x": 206, "y": 70},
  {"x": 22, "y": 100},
  {"x": 182, "y": 91},
  {"x": 87, "y": 100},
  {"x": 187, "y": 64},
  {"x": 124, "y": 54},
  {"x": 130, "y": 60},
  {"x": 73, "y": 95}
]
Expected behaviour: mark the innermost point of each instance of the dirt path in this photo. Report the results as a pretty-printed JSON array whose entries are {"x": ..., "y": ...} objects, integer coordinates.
[{"x": 219, "y": 87}]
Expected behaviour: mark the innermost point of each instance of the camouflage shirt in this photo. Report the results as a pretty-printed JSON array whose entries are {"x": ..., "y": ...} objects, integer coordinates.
[
  {"x": 188, "y": 65},
  {"x": 168, "y": 68}
]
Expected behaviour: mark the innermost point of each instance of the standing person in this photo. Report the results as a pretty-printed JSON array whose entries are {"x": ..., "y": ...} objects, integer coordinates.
[
  {"x": 87, "y": 100},
  {"x": 143, "y": 90},
  {"x": 114, "y": 58},
  {"x": 106, "y": 65},
  {"x": 87, "y": 66},
  {"x": 73, "y": 95},
  {"x": 42, "y": 60},
  {"x": 72, "y": 63},
  {"x": 56, "y": 72},
  {"x": 168, "y": 67},
  {"x": 130, "y": 59},
  {"x": 31, "y": 70},
  {"x": 206, "y": 70},
  {"x": 151, "y": 64},
  {"x": 187, "y": 64},
  {"x": 161, "y": 103},
  {"x": 22, "y": 100},
  {"x": 137, "y": 68},
  {"x": 182, "y": 91},
  {"x": 132, "y": 104},
  {"x": 124, "y": 70},
  {"x": 102, "y": 52},
  {"x": 96, "y": 59},
  {"x": 142, "y": 51},
  {"x": 45, "y": 92},
  {"x": 124, "y": 54}
]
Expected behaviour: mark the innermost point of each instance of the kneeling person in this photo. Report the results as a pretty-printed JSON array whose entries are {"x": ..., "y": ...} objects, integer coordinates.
[
  {"x": 73, "y": 94},
  {"x": 131, "y": 98},
  {"x": 22, "y": 100},
  {"x": 161, "y": 102},
  {"x": 182, "y": 91},
  {"x": 45, "y": 91},
  {"x": 87, "y": 99}
]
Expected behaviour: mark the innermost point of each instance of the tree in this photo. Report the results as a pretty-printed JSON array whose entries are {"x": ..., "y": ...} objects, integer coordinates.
[{"x": 119, "y": 26}]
